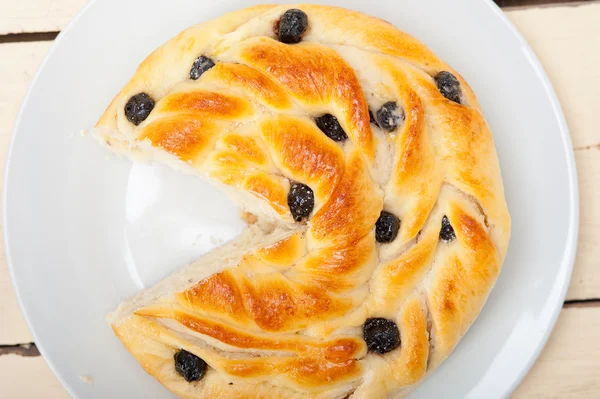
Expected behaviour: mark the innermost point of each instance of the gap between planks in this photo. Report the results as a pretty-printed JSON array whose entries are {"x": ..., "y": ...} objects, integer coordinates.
[
  {"x": 27, "y": 350},
  {"x": 582, "y": 303},
  {"x": 510, "y": 5},
  {"x": 588, "y": 147},
  {"x": 28, "y": 37}
]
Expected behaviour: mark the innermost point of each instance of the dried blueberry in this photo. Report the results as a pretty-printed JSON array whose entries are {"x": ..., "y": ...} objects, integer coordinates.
[
  {"x": 447, "y": 232},
  {"x": 386, "y": 228},
  {"x": 448, "y": 85},
  {"x": 190, "y": 366},
  {"x": 138, "y": 108},
  {"x": 292, "y": 25},
  {"x": 201, "y": 65},
  {"x": 381, "y": 335},
  {"x": 331, "y": 127},
  {"x": 301, "y": 201},
  {"x": 389, "y": 116}
]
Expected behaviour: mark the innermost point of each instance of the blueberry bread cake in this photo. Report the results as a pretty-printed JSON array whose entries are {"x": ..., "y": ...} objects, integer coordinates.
[{"x": 381, "y": 220}]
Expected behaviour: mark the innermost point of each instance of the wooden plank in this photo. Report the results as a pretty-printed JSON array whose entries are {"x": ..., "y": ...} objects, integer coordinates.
[
  {"x": 562, "y": 38},
  {"x": 15, "y": 77},
  {"x": 37, "y": 15},
  {"x": 566, "y": 41},
  {"x": 568, "y": 365},
  {"x": 28, "y": 377},
  {"x": 13, "y": 329},
  {"x": 585, "y": 283}
]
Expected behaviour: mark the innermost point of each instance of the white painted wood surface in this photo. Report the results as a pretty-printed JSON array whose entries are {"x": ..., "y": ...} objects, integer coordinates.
[
  {"x": 568, "y": 366},
  {"x": 28, "y": 378},
  {"x": 566, "y": 39},
  {"x": 18, "y": 16},
  {"x": 15, "y": 77}
]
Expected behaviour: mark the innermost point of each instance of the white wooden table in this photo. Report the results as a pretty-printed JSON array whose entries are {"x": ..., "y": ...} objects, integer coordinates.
[{"x": 566, "y": 39}]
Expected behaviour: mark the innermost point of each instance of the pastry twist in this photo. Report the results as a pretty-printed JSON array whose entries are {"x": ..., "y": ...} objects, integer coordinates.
[{"x": 374, "y": 177}]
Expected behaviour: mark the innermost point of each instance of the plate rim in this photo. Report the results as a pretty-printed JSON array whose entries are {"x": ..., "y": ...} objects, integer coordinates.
[
  {"x": 568, "y": 261},
  {"x": 566, "y": 264}
]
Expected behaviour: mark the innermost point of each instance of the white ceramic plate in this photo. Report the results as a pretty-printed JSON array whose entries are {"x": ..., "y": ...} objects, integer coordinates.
[{"x": 84, "y": 232}]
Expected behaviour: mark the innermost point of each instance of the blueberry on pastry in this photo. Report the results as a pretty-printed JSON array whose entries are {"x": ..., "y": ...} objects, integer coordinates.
[
  {"x": 381, "y": 335},
  {"x": 331, "y": 127},
  {"x": 448, "y": 85},
  {"x": 292, "y": 25},
  {"x": 138, "y": 108},
  {"x": 189, "y": 366},
  {"x": 389, "y": 116},
  {"x": 200, "y": 65},
  {"x": 386, "y": 228},
  {"x": 301, "y": 201},
  {"x": 447, "y": 232}
]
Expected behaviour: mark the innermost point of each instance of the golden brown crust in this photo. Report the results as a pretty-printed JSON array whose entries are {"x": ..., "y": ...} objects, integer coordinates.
[
  {"x": 285, "y": 321},
  {"x": 315, "y": 76}
]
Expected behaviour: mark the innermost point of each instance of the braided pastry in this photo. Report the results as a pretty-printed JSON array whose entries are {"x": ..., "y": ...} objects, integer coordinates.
[{"x": 382, "y": 224}]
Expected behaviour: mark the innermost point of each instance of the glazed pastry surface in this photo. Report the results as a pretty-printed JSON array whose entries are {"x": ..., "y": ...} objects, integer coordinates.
[{"x": 382, "y": 224}]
